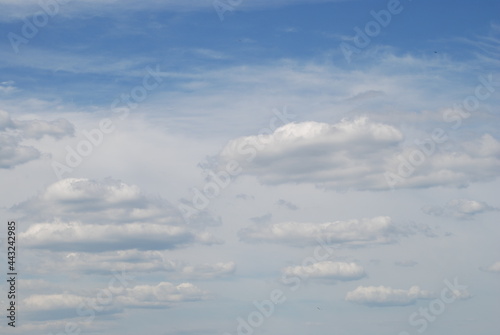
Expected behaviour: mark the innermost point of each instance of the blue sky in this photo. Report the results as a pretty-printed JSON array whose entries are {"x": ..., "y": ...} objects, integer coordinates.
[{"x": 173, "y": 172}]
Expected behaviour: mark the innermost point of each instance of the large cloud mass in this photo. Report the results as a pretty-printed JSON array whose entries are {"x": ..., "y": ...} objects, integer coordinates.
[{"x": 361, "y": 154}]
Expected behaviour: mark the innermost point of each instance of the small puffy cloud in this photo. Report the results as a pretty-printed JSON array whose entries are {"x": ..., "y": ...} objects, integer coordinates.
[
  {"x": 382, "y": 296},
  {"x": 493, "y": 268},
  {"x": 327, "y": 270},
  {"x": 287, "y": 204},
  {"x": 359, "y": 154},
  {"x": 459, "y": 208},
  {"x": 378, "y": 230}
]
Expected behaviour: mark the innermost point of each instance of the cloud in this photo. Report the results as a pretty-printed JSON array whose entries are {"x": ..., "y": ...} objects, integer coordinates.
[
  {"x": 408, "y": 263},
  {"x": 13, "y": 132},
  {"x": 79, "y": 214},
  {"x": 38, "y": 128},
  {"x": 76, "y": 236},
  {"x": 262, "y": 219},
  {"x": 378, "y": 230},
  {"x": 287, "y": 204},
  {"x": 17, "y": 10},
  {"x": 327, "y": 270},
  {"x": 99, "y": 202},
  {"x": 493, "y": 268},
  {"x": 7, "y": 87},
  {"x": 357, "y": 154},
  {"x": 130, "y": 261},
  {"x": 12, "y": 153},
  {"x": 383, "y": 296},
  {"x": 162, "y": 295},
  {"x": 459, "y": 208},
  {"x": 111, "y": 300}
]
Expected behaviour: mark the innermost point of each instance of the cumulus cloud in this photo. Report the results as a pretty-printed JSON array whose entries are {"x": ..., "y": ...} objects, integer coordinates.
[
  {"x": 112, "y": 300},
  {"x": 76, "y": 236},
  {"x": 493, "y": 268},
  {"x": 459, "y": 208},
  {"x": 162, "y": 295},
  {"x": 131, "y": 261},
  {"x": 99, "y": 202},
  {"x": 378, "y": 230},
  {"x": 13, "y": 132},
  {"x": 327, "y": 270},
  {"x": 386, "y": 296},
  {"x": 87, "y": 215},
  {"x": 358, "y": 154}
]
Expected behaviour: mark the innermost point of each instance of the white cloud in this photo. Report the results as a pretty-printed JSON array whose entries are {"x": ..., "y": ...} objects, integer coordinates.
[
  {"x": 408, "y": 263},
  {"x": 86, "y": 215},
  {"x": 386, "y": 296},
  {"x": 76, "y": 236},
  {"x": 327, "y": 270},
  {"x": 378, "y": 230},
  {"x": 287, "y": 204},
  {"x": 459, "y": 208},
  {"x": 161, "y": 295},
  {"x": 16, "y": 10},
  {"x": 13, "y": 132},
  {"x": 12, "y": 153},
  {"x": 38, "y": 128},
  {"x": 493, "y": 268},
  {"x": 131, "y": 261},
  {"x": 358, "y": 154}
]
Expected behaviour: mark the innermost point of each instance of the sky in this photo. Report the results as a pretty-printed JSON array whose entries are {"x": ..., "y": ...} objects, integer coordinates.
[{"x": 295, "y": 167}]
